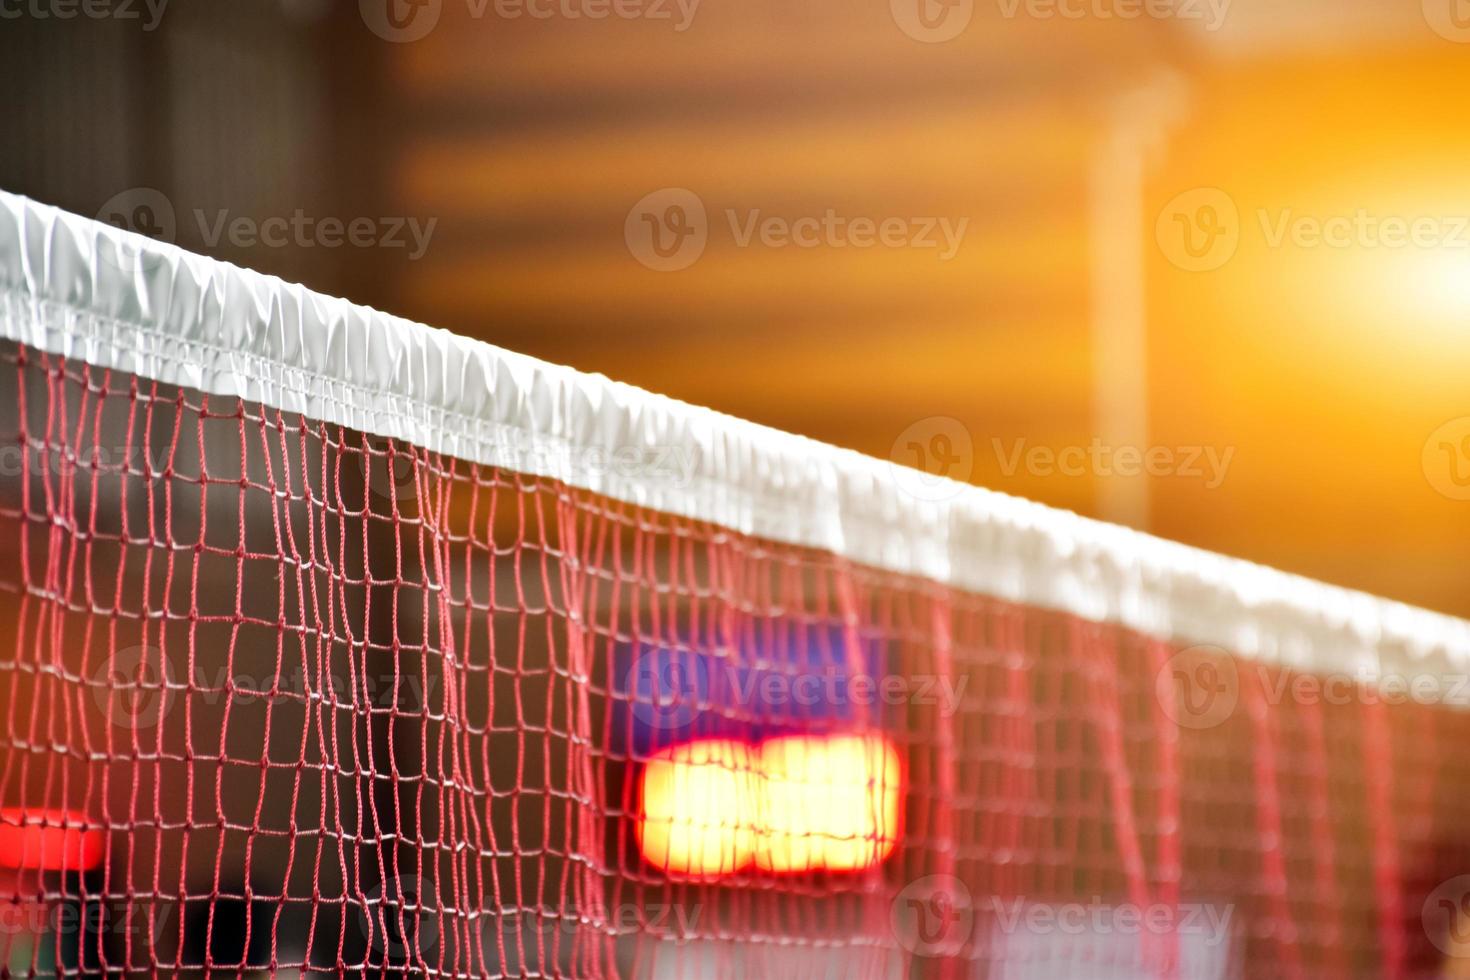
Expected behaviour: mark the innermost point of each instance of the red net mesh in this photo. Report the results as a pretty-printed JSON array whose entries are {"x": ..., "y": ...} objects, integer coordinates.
[{"x": 281, "y": 698}]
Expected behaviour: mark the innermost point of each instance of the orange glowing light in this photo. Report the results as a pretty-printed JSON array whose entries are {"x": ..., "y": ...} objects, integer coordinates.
[
  {"x": 699, "y": 808},
  {"x": 789, "y": 805},
  {"x": 829, "y": 803},
  {"x": 48, "y": 840}
]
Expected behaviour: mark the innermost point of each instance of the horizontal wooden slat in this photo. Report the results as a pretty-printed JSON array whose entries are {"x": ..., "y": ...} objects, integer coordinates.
[
  {"x": 763, "y": 51},
  {"x": 887, "y": 368},
  {"x": 946, "y": 159},
  {"x": 607, "y": 285}
]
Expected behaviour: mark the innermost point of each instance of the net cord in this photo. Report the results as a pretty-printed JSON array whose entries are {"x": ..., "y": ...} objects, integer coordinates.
[{"x": 87, "y": 290}]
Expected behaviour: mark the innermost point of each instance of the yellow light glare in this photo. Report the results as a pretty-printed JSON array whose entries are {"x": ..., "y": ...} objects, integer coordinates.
[
  {"x": 1441, "y": 282},
  {"x": 698, "y": 814},
  {"x": 790, "y": 805},
  {"x": 828, "y": 803}
]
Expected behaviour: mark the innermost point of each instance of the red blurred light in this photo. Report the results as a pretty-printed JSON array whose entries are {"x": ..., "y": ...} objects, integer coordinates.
[{"x": 48, "y": 840}]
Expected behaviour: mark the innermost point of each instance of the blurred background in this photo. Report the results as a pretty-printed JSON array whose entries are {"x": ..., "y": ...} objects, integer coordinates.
[{"x": 1198, "y": 266}]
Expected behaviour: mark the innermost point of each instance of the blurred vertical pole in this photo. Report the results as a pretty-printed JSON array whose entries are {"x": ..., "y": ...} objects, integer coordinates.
[
  {"x": 152, "y": 112},
  {"x": 364, "y": 126},
  {"x": 1135, "y": 128}
]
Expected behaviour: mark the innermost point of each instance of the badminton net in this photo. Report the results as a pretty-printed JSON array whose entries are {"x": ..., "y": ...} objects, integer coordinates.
[{"x": 331, "y": 644}]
